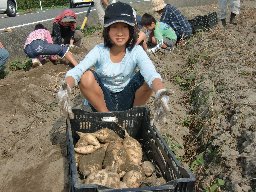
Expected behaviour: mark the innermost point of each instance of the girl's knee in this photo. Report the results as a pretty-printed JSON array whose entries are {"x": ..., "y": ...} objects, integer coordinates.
[
  {"x": 145, "y": 88},
  {"x": 87, "y": 79}
]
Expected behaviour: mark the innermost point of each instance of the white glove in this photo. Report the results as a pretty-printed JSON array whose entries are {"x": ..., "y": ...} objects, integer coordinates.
[
  {"x": 72, "y": 46},
  {"x": 64, "y": 101},
  {"x": 153, "y": 50},
  {"x": 161, "y": 105}
]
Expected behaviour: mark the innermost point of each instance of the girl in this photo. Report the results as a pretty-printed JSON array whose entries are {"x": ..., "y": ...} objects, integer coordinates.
[
  {"x": 115, "y": 84},
  {"x": 39, "y": 42}
]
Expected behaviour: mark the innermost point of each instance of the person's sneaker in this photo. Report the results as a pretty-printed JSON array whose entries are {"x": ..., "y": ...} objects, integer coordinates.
[
  {"x": 36, "y": 63},
  {"x": 223, "y": 22}
]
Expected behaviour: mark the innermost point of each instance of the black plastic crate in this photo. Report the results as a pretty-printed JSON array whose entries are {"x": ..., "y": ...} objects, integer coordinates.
[{"x": 137, "y": 123}]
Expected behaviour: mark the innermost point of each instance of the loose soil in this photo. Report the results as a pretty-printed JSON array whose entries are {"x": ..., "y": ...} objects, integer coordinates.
[{"x": 213, "y": 114}]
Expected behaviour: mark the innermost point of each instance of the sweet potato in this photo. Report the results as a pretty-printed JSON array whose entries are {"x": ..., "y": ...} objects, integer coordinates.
[
  {"x": 106, "y": 135},
  {"x": 89, "y": 138},
  {"x": 148, "y": 168},
  {"x": 133, "y": 179},
  {"x": 77, "y": 158},
  {"x": 153, "y": 180},
  {"x": 92, "y": 162},
  {"x": 122, "y": 185},
  {"x": 115, "y": 154},
  {"x": 105, "y": 178},
  {"x": 133, "y": 150},
  {"x": 86, "y": 149}
]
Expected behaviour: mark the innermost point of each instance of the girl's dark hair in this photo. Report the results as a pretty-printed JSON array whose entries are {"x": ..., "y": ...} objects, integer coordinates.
[
  {"x": 130, "y": 43},
  {"x": 147, "y": 19},
  {"x": 39, "y": 26}
]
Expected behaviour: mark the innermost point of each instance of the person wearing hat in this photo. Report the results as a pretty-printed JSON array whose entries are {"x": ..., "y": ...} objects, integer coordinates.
[
  {"x": 173, "y": 17},
  {"x": 64, "y": 29},
  {"x": 114, "y": 83},
  {"x": 235, "y": 9}
]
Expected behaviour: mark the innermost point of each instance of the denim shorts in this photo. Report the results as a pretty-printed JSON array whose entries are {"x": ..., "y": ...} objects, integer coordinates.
[
  {"x": 4, "y": 54},
  {"x": 123, "y": 100},
  {"x": 40, "y": 47}
]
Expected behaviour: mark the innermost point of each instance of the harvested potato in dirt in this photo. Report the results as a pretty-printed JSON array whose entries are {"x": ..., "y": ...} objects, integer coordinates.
[
  {"x": 148, "y": 168},
  {"x": 86, "y": 149},
  {"x": 133, "y": 150},
  {"x": 77, "y": 158},
  {"x": 153, "y": 180},
  {"x": 81, "y": 142},
  {"x": 133, "y": 179},
  {"x": 122, "y": 185},
  {"x": 128, "y": 166},
  {"x": 91, "y": 162},
  {"x": 106, "y": 135},
  {"x": 105, "y": 178},
  {"x": 115, "y": 154},
  {"x": 89, "y": 138}
]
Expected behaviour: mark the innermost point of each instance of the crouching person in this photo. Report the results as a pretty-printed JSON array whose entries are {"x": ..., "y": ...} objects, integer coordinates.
[
  {"x": 64, "y": 29},
  {"x": 39, "y": 42},
  {"x": 115, "y": 84},
  {"x": 161, "y": 34}
]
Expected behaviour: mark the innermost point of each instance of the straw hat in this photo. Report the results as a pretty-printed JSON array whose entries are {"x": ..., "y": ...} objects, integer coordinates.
[{"x": 158, "y": 5}]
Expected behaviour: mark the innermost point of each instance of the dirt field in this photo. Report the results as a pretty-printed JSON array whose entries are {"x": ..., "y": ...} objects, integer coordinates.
[{"x": 213, "y": 111}]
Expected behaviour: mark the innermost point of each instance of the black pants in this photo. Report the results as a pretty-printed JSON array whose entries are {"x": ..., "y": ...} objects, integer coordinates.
[{"x": 61, "y": 34}]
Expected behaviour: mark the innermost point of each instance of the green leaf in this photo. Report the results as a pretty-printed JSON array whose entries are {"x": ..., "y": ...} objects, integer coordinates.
[{"x": 220, "y": 182}]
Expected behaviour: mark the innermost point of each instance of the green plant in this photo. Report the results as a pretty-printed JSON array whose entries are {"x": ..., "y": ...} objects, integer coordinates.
[
  {"x": 21, "y": 65},
  {"x": 185, "y": 82},
  {"x": 194, "y": 58},
  {"x": 3, "y": 73},
  {"x": 32, "y": 4},
  {"x": 215, "y": 185},
  {"x": 187, "y": 122},
  {"x": 199, "y": 161},
  {"x": 91, "y": 30},
  {"x": 174, "y": 145}
]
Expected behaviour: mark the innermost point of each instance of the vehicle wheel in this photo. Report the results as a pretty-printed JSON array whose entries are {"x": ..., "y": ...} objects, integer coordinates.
[
  {"x": 11, "y": 8},
  {"x": 71, "y": 4}
]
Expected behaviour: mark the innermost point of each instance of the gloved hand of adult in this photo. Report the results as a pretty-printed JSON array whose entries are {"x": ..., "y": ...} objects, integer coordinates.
[
  {"x": 64, "y": 101},
  {"x": 161, "y": 105}
]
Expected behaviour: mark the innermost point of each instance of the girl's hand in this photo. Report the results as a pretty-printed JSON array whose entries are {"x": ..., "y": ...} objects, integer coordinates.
[
  {"x": 161, "y": 105},
  {"x": 64, "y": 101},
  {"x": 53, "y": 57}
]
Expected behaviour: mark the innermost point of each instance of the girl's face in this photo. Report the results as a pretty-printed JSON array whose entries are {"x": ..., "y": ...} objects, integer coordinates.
[
  {"x": 119, "y": 34},
  {"x": 150, "y": 27}
]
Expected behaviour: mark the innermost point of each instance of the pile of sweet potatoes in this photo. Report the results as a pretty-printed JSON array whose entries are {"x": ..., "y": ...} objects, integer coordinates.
[{"x": 106, "y": 159}]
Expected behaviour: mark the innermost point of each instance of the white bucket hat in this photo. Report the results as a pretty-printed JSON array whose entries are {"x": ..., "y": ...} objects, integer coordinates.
[{"x": 158, "y": 5}]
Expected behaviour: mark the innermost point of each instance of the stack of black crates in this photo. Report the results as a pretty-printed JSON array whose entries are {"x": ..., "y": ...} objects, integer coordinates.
[{"x": 137, "y": 123}]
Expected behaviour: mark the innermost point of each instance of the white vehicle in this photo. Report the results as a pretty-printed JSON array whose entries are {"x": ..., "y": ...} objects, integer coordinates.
[
  {"x": 74, "y": 3},
  {"x": 9, "y": 7}
]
